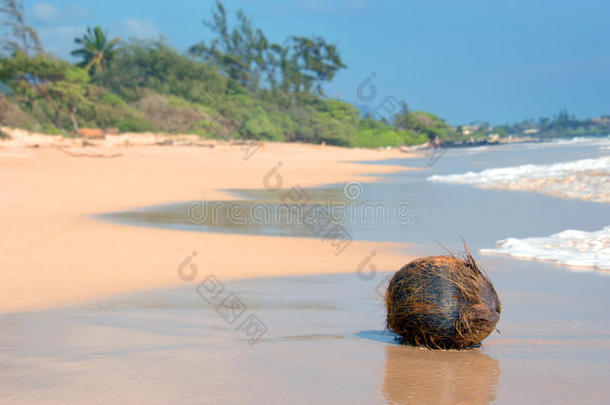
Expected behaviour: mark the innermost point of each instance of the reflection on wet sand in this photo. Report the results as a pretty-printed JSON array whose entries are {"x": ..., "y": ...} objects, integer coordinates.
[{"x": 422, "y": 376}]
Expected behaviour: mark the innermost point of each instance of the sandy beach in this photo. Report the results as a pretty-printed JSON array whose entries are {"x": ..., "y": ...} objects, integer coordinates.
[
  {"x": 93, "y": 309},
  {"x": 54, "y": 254},
  {"x": 307, "y": 202}
]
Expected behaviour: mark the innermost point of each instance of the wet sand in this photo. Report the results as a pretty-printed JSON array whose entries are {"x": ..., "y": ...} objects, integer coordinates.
[{"x": 324, "y": 343}]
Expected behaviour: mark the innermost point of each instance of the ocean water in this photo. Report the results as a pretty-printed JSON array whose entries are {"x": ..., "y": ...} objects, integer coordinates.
[
  {"x": 585, "y": 179},
  {"x": 576, "y": 249},
  {"x": 409, "y": 207}
]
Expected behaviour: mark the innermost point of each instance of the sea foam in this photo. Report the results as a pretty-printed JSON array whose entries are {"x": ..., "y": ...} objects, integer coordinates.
[
  {"x": 575, "y": 249},
  {"x": 586, "y": 179}
]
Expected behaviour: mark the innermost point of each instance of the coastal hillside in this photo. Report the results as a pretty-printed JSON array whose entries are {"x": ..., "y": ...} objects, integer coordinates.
[{"x": 240, "y": 85}]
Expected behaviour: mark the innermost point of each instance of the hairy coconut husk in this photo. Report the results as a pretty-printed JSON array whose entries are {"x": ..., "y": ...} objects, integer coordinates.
[{"x": 442, "y": 302}]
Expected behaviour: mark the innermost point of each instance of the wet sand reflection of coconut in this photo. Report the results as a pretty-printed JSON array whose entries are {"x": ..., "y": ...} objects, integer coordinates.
[{"x": 422, "y": 376}]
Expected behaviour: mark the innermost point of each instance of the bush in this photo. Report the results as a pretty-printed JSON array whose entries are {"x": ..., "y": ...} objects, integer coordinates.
[
  {"x": 424, "y": 123},
  {"x": 259, "y": 126},
  {"x": 143, "y": 66},
  {"x": 4, "y": 135},
  {"x": 374, "y": 138},
  {"x": 326, "y": 121},
  {"x": 134, "y": 124},
  {"x": 105, "y": 110},
  {"x": 170, "y": 113},
  {"x": 47, "y": 128},
  {"x": 113, "y": 100},
  {"x": 413, "y": 138},
  {"x": 13, "y": 116}
]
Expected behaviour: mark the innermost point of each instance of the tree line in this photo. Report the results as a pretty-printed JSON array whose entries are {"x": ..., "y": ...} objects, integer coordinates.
[{"x": 238, "y": 85}]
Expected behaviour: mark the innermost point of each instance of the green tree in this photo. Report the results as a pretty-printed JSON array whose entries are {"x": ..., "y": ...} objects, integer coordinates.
[
  {"x": 313, "y": 62},
  {"x": 258, "y": 126},
  {"x": 246, "y": 55},
  {"x": 143, "y": 66},
  {"x": 424, "y": 123},
  {"x": 20, "y": 37},
  {"x": 60, "y": 84},
  {"x": 71, "y": 90},
  {"x": 96, "y": 51},
  {"x": 240, "y": 52}
]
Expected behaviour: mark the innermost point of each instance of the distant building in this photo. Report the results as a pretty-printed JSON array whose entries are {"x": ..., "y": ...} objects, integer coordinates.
[
  {"x": 493, "y": 138},
  {"x": 602, "y": 120},
  {"x": 469, "y": 129},
  {"x": 531, "y": 131}
]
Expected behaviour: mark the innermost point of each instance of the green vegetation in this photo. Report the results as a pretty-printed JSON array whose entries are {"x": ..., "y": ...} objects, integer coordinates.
[
  {"x": 562, "y": 125},
  {"x": 248, "y": 57},
  {"x": 239, "y": 85},
  {"x": 55, "y": 93},
  {"x": 96, "y": 51},
  {"x": 424, "y": 123}
]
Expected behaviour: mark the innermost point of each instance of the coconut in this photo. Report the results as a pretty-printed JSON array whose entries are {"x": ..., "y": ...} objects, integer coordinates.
[{"x": 442, "y": 302}]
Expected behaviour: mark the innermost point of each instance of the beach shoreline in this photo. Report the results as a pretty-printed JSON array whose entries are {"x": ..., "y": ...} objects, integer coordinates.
[
  {"x": 93, "y": 309},
  {"x": 54, "y": 254}
]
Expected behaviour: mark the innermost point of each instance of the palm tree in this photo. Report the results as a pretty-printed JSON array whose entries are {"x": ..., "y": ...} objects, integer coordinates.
[{"x": 96, "y": 50}]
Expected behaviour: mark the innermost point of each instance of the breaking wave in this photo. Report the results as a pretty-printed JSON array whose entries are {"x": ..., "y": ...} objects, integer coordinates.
[
  {"x": 576, "y": 249},
  {"x": 586, "y": 179}
]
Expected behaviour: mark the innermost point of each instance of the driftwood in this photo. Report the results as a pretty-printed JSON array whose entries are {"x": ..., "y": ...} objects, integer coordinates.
[
  {"x": 170, "y": 142},
  {"x": 93, "y": 155}
]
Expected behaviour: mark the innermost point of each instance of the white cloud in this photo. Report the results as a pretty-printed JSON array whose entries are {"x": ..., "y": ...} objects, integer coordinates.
[
  {"x": 71, "y": 13},
  {"x": 135, "y": 28},
  {"x": 59, "y": 39},
  {"x": 46, "y": 13}
]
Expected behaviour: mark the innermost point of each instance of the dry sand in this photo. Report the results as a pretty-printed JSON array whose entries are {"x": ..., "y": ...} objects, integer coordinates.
[{"x": 53, "y": 254}]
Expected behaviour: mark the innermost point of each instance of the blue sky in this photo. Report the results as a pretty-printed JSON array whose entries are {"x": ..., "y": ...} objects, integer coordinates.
[{"x": 488, "y": 60}]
